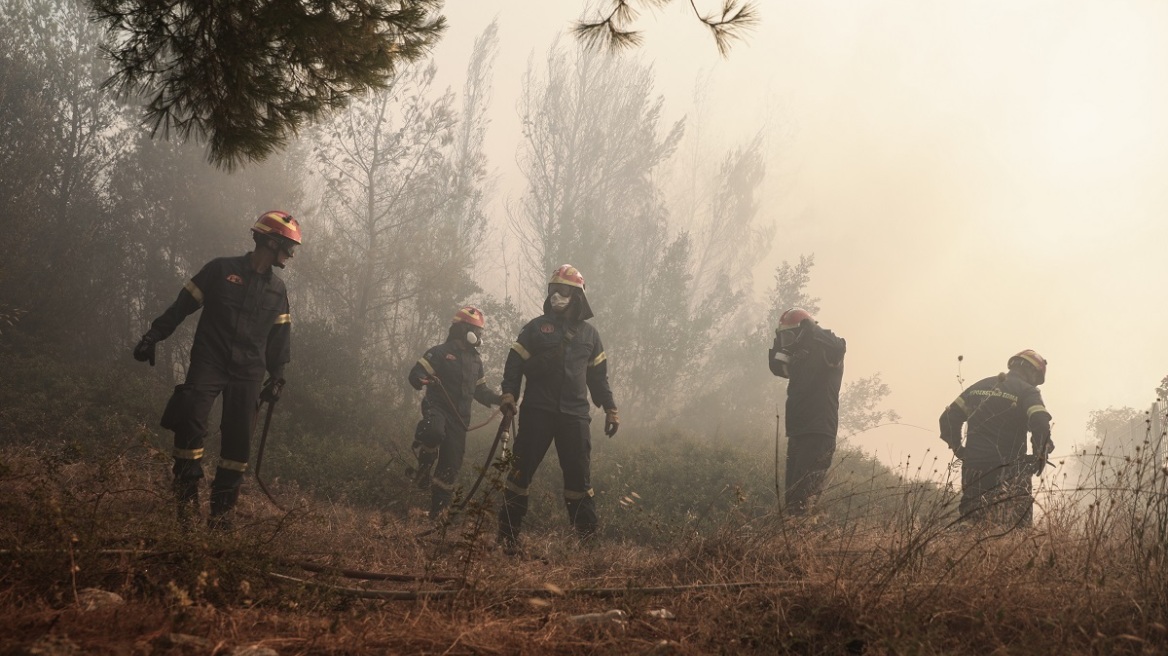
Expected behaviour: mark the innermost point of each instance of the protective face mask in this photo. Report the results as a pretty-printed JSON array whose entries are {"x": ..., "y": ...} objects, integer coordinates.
[
  {"x": 787, "y": 338},
  {"x": 472, "y": 338},
  {"x": 559, "y": 303}
]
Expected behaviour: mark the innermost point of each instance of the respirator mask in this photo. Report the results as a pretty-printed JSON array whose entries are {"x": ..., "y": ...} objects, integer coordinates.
[
  {"x": 780, "y": 353},
  {"x": 559, "y": 302}
]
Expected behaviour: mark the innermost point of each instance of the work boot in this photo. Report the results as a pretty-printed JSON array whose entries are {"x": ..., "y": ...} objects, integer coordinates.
[
  {"x": 224, "y": 496},
  {"x": 186, "y": 497},
  {"x": 426, "y": 457}
]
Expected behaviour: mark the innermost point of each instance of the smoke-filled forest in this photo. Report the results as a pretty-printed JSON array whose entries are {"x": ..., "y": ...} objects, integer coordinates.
[{"x": 106, "y": 217}]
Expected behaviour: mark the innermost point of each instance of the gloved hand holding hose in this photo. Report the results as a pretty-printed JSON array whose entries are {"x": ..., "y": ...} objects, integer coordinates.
[{"x": 507, "y": 403}]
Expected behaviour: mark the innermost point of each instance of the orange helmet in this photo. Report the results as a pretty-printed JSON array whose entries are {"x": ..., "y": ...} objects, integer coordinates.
[
  {"x": 470, "y": 314},
  {"x": 1031, "y": 357},
  {"x": 792, "y": 318},
  {"x": 567, "y": 275},
  {"x": 278, "y": 224}
]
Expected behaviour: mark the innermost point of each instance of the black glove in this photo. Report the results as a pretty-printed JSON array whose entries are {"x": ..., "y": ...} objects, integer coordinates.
[
  {"x": 271, "y": 391},
  {"x": 611, "y": 421},
  {"x": 144, "y": 351}
]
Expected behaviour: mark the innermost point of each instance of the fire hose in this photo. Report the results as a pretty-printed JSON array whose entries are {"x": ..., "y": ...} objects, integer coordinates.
[{"x": 260, "y": 453}]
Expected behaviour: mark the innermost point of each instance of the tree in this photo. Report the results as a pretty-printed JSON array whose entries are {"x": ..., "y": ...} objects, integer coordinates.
[
  {"x": 592, "y": 147},
  {"x": 402, "y": 177},
  {"x": 245, "y": 76}
]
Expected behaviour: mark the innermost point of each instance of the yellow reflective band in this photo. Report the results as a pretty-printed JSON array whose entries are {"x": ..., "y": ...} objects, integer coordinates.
[
  {"x": 425, "y": 365},
  {"x": 233, "y": 465},
  {"x": 598, "y": 359},
  {"x": 572, "y": 495},
  {"x": 518, "y": 348},
  {"x": 515, "y": 488},
  {"x": 194, "y": 291},
  {"x": 188, "y": 454},
  {"x": 283, "y": 318},
  {"x": 1035, "y": 408},
  {"x": 448, "y": 487},
  {"x": 482, "y": 381},
  {"x": 960, "y": 403}
]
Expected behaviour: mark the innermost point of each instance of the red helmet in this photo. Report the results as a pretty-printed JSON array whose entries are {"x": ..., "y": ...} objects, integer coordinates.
[
  {"x": 278, "y": 224},
  {"x": 792, "y": 318},
  {"x": 567, "y": 275},
  {"x": 470, "y": 314},
  {"x": 1031, "y": 357}
]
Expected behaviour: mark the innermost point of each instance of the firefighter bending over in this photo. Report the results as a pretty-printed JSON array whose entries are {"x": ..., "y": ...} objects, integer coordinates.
[
  {"x": 452, "y": 373},
  {"x": 563, "y": 360},
  {"x": 245, "y": 330},
  {"x": 995, "y": 470},
  {"x": 812, "y": 360}
]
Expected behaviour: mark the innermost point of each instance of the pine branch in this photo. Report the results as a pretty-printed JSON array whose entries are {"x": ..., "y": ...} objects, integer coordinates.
[
  {"x": 245, "y": 76},
  {"x": 614, "y": 32}
]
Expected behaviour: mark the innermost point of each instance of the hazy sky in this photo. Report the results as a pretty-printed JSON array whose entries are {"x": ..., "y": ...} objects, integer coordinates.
[{"x": 974, "y": 177}]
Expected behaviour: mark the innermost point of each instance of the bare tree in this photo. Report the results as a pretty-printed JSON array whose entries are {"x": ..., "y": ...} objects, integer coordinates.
[{"x": 403, "y": 190}]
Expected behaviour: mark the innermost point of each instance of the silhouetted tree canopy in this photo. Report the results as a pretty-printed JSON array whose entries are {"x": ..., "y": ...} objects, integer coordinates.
[{"x": 245, "y": 76}]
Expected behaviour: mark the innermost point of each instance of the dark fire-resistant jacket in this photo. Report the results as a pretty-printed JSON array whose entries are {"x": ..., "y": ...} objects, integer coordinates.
[
  {"x": 245, "y": 328},
  {"x": 816, "y": 373},
  {"x": 563, "y": 361},
  {"x": 1000, "y": 409},
  {"x": 460, "y": 368}
]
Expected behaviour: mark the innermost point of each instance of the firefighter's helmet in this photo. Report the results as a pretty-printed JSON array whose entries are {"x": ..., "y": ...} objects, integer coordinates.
[
  {"x": 1031, "y": 357},
  {"x": 470, "y": 315},
  {"x": 567, "y": 275},
  {"x": 278, "y": 224},
  {"x": 793, "y": 318}
]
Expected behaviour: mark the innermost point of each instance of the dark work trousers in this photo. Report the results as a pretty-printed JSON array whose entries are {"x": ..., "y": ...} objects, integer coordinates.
[
  {"x": 451, "y": 450},
  {"x": 996, "y": 493},
  {"x": 808, "y": 459},
  {"x": 186, "y": 414},
  {"x": 538, "y": 428}
]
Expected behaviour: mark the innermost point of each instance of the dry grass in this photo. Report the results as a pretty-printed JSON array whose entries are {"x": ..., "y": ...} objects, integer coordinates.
[{"x": 1079, "y": 582}]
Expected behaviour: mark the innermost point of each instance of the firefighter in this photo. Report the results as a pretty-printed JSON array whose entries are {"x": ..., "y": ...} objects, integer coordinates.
[
  {"x": 995, "y": 469},
  {"x": 563, "y": 361},
  {"x": 811, "y": 358},
  {"x": 452, "y": 373},
  {"x": 243, "y": 332}
]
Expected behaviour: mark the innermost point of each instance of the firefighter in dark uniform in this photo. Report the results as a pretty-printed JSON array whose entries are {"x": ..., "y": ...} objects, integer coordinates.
[
  {"x": 811, "y": 358},
  {"x": 561, "y": 357},
  {"x": 452, "y": 373},
  {"x": 995, "y": 469},
  {"x": 244, "y": 330}
]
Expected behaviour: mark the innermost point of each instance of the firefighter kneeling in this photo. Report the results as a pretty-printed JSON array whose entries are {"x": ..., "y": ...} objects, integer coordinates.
[{"x": 452, "y": 373}]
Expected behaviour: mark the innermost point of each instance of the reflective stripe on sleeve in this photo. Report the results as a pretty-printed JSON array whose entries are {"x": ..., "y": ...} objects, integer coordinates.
[
  {"x": 1035, "y": 408},
  {"x": 426, "y": 365},
  {"x": 283, "y": 318},
  {"x": 598, "y": 359},
  {"x": 441, "y": 485},
  {"x": 515, "y": 488},
  {"x": 518, "y": 348},
  {"x": 194, "y": 291},
  {"x": 482, "y": 381},
  {"x": 233, "y": 465},
  {"x": 188, "y": 454},
  {"x": 960, "y": 403}
]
